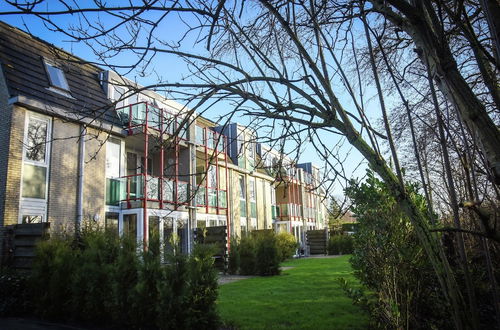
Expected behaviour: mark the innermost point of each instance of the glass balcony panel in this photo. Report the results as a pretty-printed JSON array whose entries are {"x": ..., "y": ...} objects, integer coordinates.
[
  {"x": 220, "y": 142},
  {"x": 138, "y": 113},
  {"x": 153, "y": 187},
  {"x": 222, "y": 199},
  {"x": 115, "y": 191},
  {"x": 154, "y": 117},
  {"x": 135, "y": 186},
  {"x": 123, "y": 114},
  {"x": 212, "y": 197},
  {"x": 182, "y": 192},
  {"x": 200, "y": 196},
  {"x": 183, "y": 131},
  {"x": 168, "y": 190}
]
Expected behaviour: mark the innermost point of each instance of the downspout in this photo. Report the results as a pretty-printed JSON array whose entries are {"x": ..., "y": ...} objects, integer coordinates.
[{"x": 81, "y": 172}]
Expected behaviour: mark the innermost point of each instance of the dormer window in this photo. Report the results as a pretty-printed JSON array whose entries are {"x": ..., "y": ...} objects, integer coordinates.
[{"x": 56, "y": 76}]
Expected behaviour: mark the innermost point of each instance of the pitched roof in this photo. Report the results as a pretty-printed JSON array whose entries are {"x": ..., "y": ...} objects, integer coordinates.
[{"x": 22, "y": 57}]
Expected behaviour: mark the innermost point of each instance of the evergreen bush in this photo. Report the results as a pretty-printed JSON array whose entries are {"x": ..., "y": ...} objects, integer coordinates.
[
  {"x": 340, "y": 244},
  {"x": 248, "y": 255},
  {"x": 105, "y": 280},
  {"x": 287, "y": 245},
  {"x": 268, "y": 260},
  {"x": 234, "y": 258}
]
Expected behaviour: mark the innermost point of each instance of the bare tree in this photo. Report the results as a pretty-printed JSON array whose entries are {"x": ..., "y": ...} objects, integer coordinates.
[{"x": 296, "y": 65}]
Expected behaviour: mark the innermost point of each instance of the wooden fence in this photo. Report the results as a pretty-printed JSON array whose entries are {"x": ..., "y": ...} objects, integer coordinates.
[
  {"x": 216, "y": 236},
  {"x": 18, "y": 244},
  {"x": 317, "y": 240}
]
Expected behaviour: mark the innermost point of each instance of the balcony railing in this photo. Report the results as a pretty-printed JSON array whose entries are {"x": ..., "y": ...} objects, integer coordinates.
[
  {"x": 289, "y": 210},
  {"x": 205, "y": 137},
  {"x": 131, "y": 188},
  {"x": 135, "y": 115}
]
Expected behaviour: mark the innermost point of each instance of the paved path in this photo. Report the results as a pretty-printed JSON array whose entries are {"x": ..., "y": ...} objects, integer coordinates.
[{"x": 16, "y": 323}]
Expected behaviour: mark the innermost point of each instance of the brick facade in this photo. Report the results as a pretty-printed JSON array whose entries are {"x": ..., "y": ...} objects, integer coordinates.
[
  {"x": 5, "y": 120},
  {"x": 94, "y": 187},
  {"x": 63, "y": 179},
  {"x": 13, "y": 182}
]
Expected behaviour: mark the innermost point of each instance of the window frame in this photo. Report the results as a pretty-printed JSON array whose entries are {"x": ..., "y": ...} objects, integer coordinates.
[
  {"x": 62, "y": 77},
  {"x": 46, "y": 161}
]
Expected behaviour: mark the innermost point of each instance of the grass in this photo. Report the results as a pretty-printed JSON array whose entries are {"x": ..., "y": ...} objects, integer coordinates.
[{"x": 305, "y": 297}]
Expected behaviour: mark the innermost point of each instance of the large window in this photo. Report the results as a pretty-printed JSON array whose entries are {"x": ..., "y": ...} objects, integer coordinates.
[
  {"x": 36, "y": 157},
  {"x": 113, "y": 157}
]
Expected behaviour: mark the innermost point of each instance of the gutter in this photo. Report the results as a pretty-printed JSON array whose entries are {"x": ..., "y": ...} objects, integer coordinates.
[{"x": 81, "y": 172}]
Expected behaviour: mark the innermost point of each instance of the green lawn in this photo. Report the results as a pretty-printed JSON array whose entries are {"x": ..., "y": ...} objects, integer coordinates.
[{"x": 305, "y": 297}]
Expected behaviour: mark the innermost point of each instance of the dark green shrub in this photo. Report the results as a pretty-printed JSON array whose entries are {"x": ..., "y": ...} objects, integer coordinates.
[
  {"x": 14, "y": 296},
  {"x": 202, "y": 313},
  {"x": 146, "y": 293},
  {"x": 172, "y": 309},
  {"x": 340, "y": 244},
  {"x": 91, "y": 281},
  {"x": 268, "y": 261},
  {"x": 248, "y": 255},
  {"x": 234, "y": 257},
  {"x": 124, "y": 277},
  {"x": 287, "y": 245},
  {"x": 51, "y": 278},
  {"x": 104, "y": 280}
]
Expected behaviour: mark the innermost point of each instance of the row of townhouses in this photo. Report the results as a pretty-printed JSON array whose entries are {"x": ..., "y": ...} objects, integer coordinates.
[{"x": 81, "y": 143}]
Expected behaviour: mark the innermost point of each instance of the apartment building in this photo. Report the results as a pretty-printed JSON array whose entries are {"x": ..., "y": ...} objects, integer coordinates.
[{"x": 81, "y": 143}]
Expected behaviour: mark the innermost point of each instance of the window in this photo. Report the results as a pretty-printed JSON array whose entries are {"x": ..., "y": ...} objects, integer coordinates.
[
  {"x": 130, "y": 225},
  {"x": 118, "y": 97},
  {"x": 36, "y": 140},
  {"x": 111, "y": 222},
  {"x": 34, "y": 181},
  {"x": 243, "y": 192},
  {"x": 251, "y": 150},
  {"x": 36, "y": 157},
  {"x": 32, "y": 219},
  {"x": 113, "y": 158},
  {"x": 200, "y": 135},
  {"x": 251, "y": 189},
  {"x": 56, "y": 76},
  {"x": 212, "y": 176}
]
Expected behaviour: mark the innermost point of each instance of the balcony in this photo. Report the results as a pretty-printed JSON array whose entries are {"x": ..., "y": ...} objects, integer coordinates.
[
  {"x": 201, "y": 197},
  {"x": 142, "y": 114},
  {"x": 289, "y": 210},
  {"x": 131, "y": 188},
  {"x": 205, "y": 137}
]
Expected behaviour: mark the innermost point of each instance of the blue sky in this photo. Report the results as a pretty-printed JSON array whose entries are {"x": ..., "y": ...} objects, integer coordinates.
[{"x": 173, "y": 69}]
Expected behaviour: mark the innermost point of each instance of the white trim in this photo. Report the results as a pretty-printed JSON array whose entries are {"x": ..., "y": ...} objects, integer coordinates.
[{"x": 27, "y": 205}]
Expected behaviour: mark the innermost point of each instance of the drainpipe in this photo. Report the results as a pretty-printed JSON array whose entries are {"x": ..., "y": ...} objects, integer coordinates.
[{"x": 81, "y": 171}]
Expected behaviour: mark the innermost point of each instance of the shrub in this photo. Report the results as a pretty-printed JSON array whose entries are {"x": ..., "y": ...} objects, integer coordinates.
[
  {"x": 234, "y": 258},
  {"x": 287, "y": 245},
  {"x": 268, "y": 261},
  {"x": 105, "y": 280},
  {"x": 340, "y": 244},
  {"x": 248, "y": 256},
  {"x": 15, "y": 300},
  {"x": 202, "y": 289},
  {"x": 51, "y": 280},
  {"x": 391, "y": 263}
]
